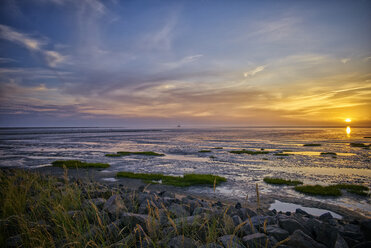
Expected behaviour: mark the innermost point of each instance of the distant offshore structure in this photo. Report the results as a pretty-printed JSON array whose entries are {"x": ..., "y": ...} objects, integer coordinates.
[{"x": 179, "y": 126}]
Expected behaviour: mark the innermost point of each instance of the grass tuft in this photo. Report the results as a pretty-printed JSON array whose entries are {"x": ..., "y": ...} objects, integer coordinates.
[
  {"x": 319, "y": 190},
  {"x": 280, "y": 181},
  {"x": 186, "y": 180},
  {"x": 359, "y": 145},
  {"x": 243, "y": 151},
  {"x": 312, "y": 145},
  {"x": 281, "y": 154},
  {"x": 78, "y": 164},
  {"x": 328, "y": 153},
  {"x": 332, "y": 190},
  {"x": 125, "y": 153}
]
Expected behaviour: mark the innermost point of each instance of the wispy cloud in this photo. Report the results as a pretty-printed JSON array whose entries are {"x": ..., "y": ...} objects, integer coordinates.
[
  {"x": 254, "y": 71},
  {"x": 184, "y": 61},
  {"x": 52, "y": 58}
]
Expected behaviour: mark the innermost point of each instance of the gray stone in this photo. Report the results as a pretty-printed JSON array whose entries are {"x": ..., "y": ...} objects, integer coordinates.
[
  {"x": 300, "y": 240},
  {"x": 258, "y": 221},
  {"x": 248, "y": 229},
  {"x": 212, "y": 245},
  {"x": 325, "y": 216},
  {"x": 366, "y": 228},
  {"x": 178, "y": 210},
  {"x": 201, "y": 210},
  {"x": 182, "y": 242},
  {"x": 231, "y": 241},
  {"x": 131, "y": 220},
  {"x": 291, "y": 225},
  {"x": 326, "y": 234},
  {"x": 98, "y": 202},
  {"x": 301, "y": 211},
  {"x": 114, "y": 205},
  {"x": 255, "y": 240},
  {"x": 277, "y": 233},
  {"x": 340, "y": 242},
  {"x": 190, "y": 220},
  {"x": 236, "y": 220}
]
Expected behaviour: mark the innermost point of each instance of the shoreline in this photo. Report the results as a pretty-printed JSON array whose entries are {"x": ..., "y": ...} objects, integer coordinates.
[{"x": 265, "y": 200}]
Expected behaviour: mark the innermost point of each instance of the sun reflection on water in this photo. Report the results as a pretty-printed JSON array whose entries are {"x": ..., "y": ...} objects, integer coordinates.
[{"x": 348, "y": 130}]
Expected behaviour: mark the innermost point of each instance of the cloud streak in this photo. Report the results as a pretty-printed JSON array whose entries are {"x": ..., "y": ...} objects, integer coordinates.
[{"x": 52, "y": 58}]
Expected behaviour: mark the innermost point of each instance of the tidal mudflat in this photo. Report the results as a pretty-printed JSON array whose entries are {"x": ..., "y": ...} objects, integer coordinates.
[{"x": 341, "y": 161}]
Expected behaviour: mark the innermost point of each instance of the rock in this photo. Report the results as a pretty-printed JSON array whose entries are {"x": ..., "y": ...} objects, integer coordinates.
[
  {"x": 114, "y": 205},
  {"x": 366, "y": 244},
  {"x": 236, "y": 220},
  {"x": 291, "y": 225},
  {"x": 14, "y": 241},
  {"x": 212, "y": 245},
  {"x": 231, "y": 241},
  {"x": 300, "y": 240},
  {"x": 248, "y": 229},
  {"x": 244, "y": 213},
  {"x": 178, "y": 210},
  {"x": 312, "y": 225},
  {"x": 238, "y": 205},
  {"x": 255, "y": 240},
  {"x": 366, "y": 228},
  {"x": 114, "y": 228},
  {"x": 351, "y": 242},
  {"x": 190, "y": 220},
  {"x": 277, "y": 233},
  {"x": 326, "y": 234},
  {"x": 131, "y": 220},
  {"x": 288, "y": 213},
  {"x": 141, "y": 188},
  {"x": 98, "y": 202},
  {"x": 302, "y": 212},
  {"x": 340, "y": 242},
  {"x": 325, "y": 216},
  {"x": 181, "y": 241},
  {"x": 201, "y": 210},
  {"x": 258, "y": 221}
]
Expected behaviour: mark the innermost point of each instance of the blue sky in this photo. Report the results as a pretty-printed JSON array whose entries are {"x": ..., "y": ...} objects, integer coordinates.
[{"x": 160, "y": 63}]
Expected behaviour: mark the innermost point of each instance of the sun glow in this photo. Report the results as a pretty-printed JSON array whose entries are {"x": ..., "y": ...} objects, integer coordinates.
[{"x": 348, "y": 120}]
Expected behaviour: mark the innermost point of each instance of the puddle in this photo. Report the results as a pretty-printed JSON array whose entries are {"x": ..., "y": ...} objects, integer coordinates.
[
  {"x": 109, "y": 179},
  {"x": 186, "y": 158},
  {"x": 291, "y": 207}
]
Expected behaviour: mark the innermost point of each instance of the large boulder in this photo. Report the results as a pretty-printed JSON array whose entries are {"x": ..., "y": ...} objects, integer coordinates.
[
  {"x": 178, "y": 210},
  {"x": 114, "y": 205},
  {"x": 278, "y": 233},
  {"x": 326, "y": 234},
  {"x": 182, "y": 242},
  {"x": 231, "y": 241},
  {"x": 291, "y": 225},
  {"x": 255, "y": 240},
  {"x": 300, "y": 240}
]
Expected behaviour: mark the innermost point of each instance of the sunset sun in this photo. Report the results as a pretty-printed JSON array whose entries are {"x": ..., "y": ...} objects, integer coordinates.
[{"x": 348, "y": 120}]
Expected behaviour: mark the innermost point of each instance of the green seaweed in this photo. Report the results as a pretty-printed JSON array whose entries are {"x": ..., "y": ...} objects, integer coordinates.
[
  {"x": 281, "y": 154},
  {"x": 328, "y": 153},
  {"x": 243, "y": 151},
  {"x": 312, "y": 145},
  {"x": 78, "y": 164},
  {"x": 319, "y": 190},
  {"x": 186, "y": 180},
  {"x": 204, "y": 151},
  {"x": 280, "y": 181},
  {"x": 217, "y": 148},
  {"x": 359, "y": 145}
]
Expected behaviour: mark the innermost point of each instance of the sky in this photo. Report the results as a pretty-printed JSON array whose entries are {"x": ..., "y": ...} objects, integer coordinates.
[{"x": 163, "y": 63}]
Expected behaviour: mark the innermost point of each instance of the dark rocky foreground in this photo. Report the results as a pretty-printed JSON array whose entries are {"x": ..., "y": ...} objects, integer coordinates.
[{"x": 142, "y": 218}]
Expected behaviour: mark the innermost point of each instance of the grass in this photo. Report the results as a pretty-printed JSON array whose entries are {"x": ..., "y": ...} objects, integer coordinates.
[
  {"x": 186, "y": 180},
  {"x": 243, "y": 151},
  {"x": 280, "y": 181},
  {"x": 204, "y": 151},
  {"x": 328, "y": 153},
  {"x": 78, "y": 164},
  {"x": 332, "y": 190},
  {"x": 281, "y": 154},
  {"x": 359, "y": 145},
  {"x": 312, "y": 145},
  {"x": 125, "y": 153}
]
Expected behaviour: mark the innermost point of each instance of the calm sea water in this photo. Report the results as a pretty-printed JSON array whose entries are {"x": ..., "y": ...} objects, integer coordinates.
[{"x": 37, "y": 147}]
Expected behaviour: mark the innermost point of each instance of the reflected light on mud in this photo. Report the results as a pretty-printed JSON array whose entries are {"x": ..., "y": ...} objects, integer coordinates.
[{"x": 348, "y": 131}]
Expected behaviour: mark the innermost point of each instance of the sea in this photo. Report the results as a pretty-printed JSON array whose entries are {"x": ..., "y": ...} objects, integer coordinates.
[{"x": 38, "y": 147}]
